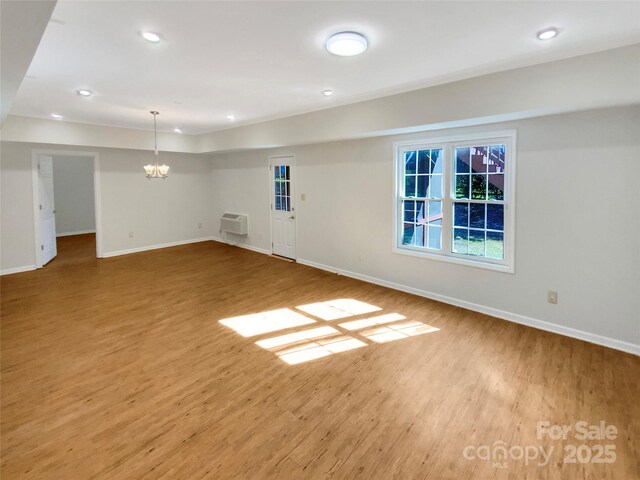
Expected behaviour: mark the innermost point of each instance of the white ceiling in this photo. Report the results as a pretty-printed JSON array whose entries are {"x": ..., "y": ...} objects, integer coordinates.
[
  {"x": 264, "y": 60},
  {"x": 21, "y": 29}
]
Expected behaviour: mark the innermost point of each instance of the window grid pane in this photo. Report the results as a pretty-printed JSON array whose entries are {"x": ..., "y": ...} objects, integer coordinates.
[{"x": 478, "y": 225}]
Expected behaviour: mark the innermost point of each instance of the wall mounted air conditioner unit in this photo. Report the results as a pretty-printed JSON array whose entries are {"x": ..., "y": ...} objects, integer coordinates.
[{"x": 234, "y": 223}]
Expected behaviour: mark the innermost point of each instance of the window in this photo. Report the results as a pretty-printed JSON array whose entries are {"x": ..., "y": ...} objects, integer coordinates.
[{"x": 455, "y": 200}]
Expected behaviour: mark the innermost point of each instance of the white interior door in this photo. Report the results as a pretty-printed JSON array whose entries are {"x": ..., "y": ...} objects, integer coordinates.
[
  {"x": 47, "y": 209},
  {"x": 283, "y": 218}
]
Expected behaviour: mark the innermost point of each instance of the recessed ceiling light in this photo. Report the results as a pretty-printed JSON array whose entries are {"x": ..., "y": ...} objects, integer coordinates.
[
  {"x": 57, "y": 116},
  {"x": 230, "y": 117},
  {"x": 327, "y": 93},
  {"x": 177, "y": 130},
  {"x": 346, "y": 44},
  {"x": 84, "y": 93},
  {"x": 547, "y": 33},
  {"x": 151, "y": 37}
]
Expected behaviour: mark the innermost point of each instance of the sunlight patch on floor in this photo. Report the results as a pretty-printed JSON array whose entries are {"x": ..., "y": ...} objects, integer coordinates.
[
  {"x": 336, "y": 309},
  {"x": 320, "y": 348},
  {"x": 397, "y": 331},
  {"x": 290, "y": 338},
  {"x": 265, "y": 322},
  {"x": 324, "y": 339},
  {"x": 369, "y": 322}
]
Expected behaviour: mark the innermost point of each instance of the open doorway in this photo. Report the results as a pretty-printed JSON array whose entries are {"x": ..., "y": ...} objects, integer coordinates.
[{"x": 66, "y": 205}]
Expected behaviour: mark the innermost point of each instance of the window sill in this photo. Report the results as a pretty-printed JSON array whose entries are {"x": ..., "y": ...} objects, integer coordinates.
[{"x": 497, "y": 267}]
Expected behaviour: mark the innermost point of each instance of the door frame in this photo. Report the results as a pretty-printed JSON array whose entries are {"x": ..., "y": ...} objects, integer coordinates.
[
  {"x": 292, "y": 158},
  {"x": 97, "y": 196}
]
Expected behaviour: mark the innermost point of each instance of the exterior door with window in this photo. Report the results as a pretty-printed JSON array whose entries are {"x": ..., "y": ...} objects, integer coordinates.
[
  {"x": 47, "y": 209},
  {"x": 283, "y": 218}
]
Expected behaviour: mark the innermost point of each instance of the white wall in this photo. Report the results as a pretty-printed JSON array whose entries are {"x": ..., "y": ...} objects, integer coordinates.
[
  {"x": 156, "y": 211},
  {"x": 73, "y": 194},
  {"x": 17, "y": 243},
  {"x": 577, "y": 221}
]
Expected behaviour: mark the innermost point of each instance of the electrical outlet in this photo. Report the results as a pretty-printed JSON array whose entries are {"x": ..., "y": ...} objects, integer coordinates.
[
  {"x": 130, "y": 234},
  {"x": 552, "y": 297},
  {"x": 199, "y": 226},
  {"x": 303, "y": 196}
]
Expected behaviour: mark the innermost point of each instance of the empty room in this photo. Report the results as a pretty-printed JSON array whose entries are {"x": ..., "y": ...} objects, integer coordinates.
[{"x": 320, "y": 240}]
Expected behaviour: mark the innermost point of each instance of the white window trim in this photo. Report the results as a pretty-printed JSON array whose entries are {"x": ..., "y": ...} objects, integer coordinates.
[{"x": 506, "y": 137}]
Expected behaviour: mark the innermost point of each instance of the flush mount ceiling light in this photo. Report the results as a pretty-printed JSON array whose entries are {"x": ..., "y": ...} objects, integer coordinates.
[
  {"x": 547, "y": 33},
  {"x": 84, "y": 93},
  {"x": 57, "y": 116},
  {"x": 327, "y": 93},
  {"x": 346, "y": 44},
  {"x": 230, "y": 117},
  {"x": 150, "y": 37},
  {"x": 156, "y": 171},
  {"x": 177, "y": 130}
]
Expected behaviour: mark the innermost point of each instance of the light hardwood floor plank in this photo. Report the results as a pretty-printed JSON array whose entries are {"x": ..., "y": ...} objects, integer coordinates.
[{"x": 119, "y": 368}]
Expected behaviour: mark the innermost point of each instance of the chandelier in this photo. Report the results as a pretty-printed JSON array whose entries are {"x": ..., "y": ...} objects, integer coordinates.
[{"x": 156, "y": 171}]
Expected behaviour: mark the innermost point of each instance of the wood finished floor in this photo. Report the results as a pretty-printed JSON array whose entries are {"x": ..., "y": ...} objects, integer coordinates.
[{"x": 119, "y": 369}]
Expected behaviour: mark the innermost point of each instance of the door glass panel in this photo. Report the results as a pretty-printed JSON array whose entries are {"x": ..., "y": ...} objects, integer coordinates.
[{"x": 282, "y": 188}]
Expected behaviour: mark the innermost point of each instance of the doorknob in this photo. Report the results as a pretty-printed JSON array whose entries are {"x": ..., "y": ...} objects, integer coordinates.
[{"x": 292, "y": 217}]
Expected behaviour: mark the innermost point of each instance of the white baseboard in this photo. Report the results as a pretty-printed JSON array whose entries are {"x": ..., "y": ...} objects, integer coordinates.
[
  {"x": 68, "y": 234},
  {"x": 154, "y": 247},
  {"x": 240, "y": 245},
  {"x": 494, "y": 312},
  {"x": 9, "y": 271}
]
